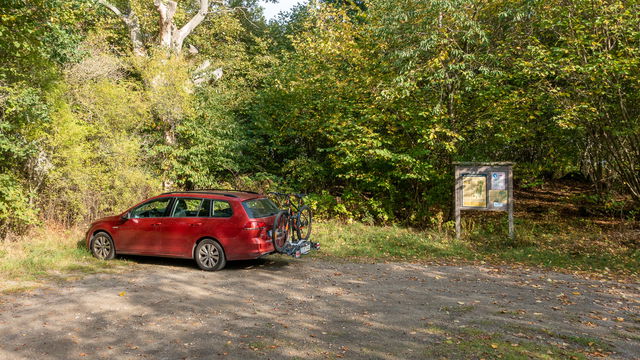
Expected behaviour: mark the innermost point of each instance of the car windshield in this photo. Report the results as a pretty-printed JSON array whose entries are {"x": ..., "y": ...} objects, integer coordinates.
[{"x": 259, "y": 208}]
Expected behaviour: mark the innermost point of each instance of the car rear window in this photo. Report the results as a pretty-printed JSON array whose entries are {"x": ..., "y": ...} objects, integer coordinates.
[{"x": 259, "y": 208}]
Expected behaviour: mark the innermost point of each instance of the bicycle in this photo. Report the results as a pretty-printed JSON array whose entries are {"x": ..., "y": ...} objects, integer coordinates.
[{"x": 292, "y": 226}]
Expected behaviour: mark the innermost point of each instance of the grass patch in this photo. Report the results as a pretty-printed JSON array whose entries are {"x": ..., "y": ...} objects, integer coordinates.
[
  {"x": 47, "y": 253},
  {"x": 457, "y": 309},
  {"x": 584, "y": 344},
  {"x": 572, "y": 246},
  {"x": 472, "y": 343},
  {"x": 357, "y": 240}
]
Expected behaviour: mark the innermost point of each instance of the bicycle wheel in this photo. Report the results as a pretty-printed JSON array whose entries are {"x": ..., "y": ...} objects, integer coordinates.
[
  {"x": 280, "y": 231},
  {"x": 303, "y": 223}
]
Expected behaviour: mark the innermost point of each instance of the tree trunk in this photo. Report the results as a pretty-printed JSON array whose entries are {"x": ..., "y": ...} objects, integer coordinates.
[{"x": 169, "y": 36}]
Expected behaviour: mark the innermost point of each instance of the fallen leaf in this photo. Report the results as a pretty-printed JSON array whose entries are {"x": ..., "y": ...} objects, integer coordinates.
[
  {"x": 495, "y": 346},
  {"x": 122, "y": 293}
]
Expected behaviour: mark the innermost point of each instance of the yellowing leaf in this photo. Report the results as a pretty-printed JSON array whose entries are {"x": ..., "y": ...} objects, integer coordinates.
[{"x": 122, "y": 293}]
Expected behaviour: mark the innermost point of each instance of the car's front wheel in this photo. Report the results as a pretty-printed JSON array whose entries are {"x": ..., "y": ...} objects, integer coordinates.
[
  {"x": 102, "y": 246},
  {"x": 210, "y": 255}
]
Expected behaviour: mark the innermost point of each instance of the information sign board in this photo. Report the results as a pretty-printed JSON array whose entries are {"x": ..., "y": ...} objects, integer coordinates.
[
  {"x": 485, "y": 187},
  {"x": 474, "y": 190}
]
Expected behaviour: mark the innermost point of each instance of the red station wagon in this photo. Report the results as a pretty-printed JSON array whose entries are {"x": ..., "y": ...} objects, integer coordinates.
[{"x": 208, "y": 226}]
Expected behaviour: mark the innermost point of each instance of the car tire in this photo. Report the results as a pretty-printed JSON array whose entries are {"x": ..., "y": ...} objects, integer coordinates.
[
  {"x": 209, "y": 255},
  {"x": 102, "y": 246}
]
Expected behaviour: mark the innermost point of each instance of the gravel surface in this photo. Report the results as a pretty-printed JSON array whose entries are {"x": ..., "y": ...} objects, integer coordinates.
[{"x": 313, "y": 309}]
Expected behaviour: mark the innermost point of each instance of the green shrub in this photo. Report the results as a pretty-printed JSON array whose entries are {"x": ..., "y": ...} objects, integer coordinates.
[{"x": 16, "y": 214}]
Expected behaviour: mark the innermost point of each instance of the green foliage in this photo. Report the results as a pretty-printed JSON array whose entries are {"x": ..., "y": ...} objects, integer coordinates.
[
  {"x": 15, "y": 211},
  {"x": 362, "y": 104},
  {"x": 35, "y": 34},
  {"x": 23, "y": 113},
  {"x": 99, "y": 164},
  {"x": 209, "y": 143}
]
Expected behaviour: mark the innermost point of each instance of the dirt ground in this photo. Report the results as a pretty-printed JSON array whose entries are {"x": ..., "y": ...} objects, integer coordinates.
[{"x": 313, "y": 309}]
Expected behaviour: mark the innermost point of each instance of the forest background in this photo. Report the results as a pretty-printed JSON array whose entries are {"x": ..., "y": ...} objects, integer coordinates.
[{"x": 362, "y": 104}]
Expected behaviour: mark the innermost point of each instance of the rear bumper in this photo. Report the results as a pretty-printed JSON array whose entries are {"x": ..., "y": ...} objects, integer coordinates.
[
  {"x": 261, "y": 247},
  {"x": 265, "y": 254}
]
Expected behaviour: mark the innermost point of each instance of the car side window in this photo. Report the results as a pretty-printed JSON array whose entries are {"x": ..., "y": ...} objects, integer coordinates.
[
  {"x": 187, "y": 207},
  {"x": 205, "y": 208},
  {"x": 221, "y": 209},
  {"x": 154, "y": 208}
]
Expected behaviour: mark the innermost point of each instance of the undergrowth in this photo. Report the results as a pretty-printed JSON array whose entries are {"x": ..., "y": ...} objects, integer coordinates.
[{"x": 573, "y": 246}]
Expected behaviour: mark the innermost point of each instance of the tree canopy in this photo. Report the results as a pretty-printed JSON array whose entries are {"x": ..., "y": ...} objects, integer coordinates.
[{"x": 364, "y": 104}]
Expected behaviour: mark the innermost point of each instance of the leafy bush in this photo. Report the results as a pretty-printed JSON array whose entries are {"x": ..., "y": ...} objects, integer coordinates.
[{"x": 16, "y": 214}]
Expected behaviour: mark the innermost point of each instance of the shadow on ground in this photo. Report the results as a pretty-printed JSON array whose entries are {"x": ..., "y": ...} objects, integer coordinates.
[
  {"x": 286, "y": 309},
  {"x": 271, "y": 264}
]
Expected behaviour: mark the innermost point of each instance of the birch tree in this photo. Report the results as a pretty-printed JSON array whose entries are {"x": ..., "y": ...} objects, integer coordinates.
[{"x": 168, "y": 77}]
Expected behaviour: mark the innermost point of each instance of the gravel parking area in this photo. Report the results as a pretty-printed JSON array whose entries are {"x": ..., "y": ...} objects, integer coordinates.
[{"x": 313, "y": 309}]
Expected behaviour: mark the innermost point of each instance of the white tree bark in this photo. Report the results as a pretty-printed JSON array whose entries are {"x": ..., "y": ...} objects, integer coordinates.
[
  {"x": 169, "y": 36},
  {"x": 167, "y": 27},
  {"x": 131, "y": 21},
  {"x": 180, "y": 35}
]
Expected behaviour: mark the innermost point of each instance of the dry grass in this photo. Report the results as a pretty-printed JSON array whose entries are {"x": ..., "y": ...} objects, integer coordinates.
[{"x": 48, "y": 253}]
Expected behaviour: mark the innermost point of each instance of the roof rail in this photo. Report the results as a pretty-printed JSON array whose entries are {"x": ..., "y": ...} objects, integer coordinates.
[
  {"x": 199, "y": 192},
  {"x": 234, "y": 190}
]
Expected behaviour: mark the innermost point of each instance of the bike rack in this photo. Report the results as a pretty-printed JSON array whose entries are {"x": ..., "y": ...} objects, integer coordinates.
[{"x": 300, "y": 248}]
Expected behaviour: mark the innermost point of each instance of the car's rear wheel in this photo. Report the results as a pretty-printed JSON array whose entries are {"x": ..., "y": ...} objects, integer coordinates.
[
  {"x": 303, "y": 223},
  {"x": 280, "y": 231},
  {"x": 210, "y": 255},
  {"x": 102, "y": 246}
]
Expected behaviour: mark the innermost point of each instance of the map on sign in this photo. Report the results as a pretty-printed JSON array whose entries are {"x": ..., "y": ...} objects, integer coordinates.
[
  {"x": 498, "y": 198},
  {"x": 474, "y": 190}
]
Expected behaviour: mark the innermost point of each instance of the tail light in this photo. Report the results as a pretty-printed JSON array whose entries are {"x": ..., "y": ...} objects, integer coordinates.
[{"x": 254, "y": 225}]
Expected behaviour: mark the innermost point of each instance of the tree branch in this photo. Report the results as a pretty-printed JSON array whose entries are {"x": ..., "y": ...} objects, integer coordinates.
[
  {"x": 131, "y": 20},
  {"x": 189, "y": 26},
  {"x": 111, "y": 7}
]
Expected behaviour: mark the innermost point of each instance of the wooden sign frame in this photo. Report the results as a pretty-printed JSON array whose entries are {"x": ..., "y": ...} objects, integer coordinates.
[{"x": 484, "y": 186}]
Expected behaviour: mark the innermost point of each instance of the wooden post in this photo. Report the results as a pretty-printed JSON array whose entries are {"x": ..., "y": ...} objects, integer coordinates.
[
  {"x": 512, "y": 232},
  {"x": 458, "y": 201}
]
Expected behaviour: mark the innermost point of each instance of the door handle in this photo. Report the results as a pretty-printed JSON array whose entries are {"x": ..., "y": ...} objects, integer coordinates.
[
  {"x": 156, "y": 224},
  {"x": 196, "y": 224}
]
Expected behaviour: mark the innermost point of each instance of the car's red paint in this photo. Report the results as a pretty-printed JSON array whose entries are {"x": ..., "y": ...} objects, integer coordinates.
[{"x": 171, "y": 236}]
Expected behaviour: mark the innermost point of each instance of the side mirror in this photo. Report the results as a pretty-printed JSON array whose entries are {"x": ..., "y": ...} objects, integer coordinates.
[{"x": 126, "y": 216}]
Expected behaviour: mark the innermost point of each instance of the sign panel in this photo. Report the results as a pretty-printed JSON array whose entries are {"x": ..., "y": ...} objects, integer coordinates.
[
  {"x": 498, "y": 198},
  {"x": 474, "y": 190},
  {"x": 498, "y": 181}
]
